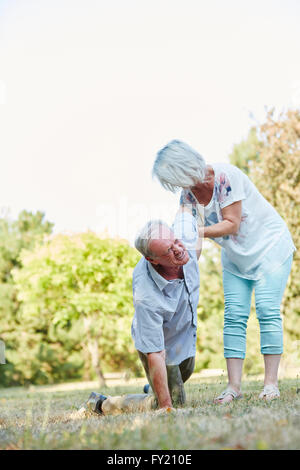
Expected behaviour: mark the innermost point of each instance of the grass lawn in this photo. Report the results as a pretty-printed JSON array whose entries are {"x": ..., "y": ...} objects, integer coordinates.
[{"x": 50, "y": 420}]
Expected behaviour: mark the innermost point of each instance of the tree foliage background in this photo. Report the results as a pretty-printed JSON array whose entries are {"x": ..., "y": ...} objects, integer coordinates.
[
  {"x": 82, "y": 280},
  {"x": 66, "y": 300}
]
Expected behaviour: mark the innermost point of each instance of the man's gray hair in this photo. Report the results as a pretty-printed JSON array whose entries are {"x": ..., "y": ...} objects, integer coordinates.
[
  {"x": 152, "y": 230},
  {"x": 178, "y": 165}
]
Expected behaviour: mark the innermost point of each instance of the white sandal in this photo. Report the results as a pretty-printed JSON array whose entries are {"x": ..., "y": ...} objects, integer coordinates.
[
  {"x": 229, "y": 391},
  {"x": 269, "y": 392}
]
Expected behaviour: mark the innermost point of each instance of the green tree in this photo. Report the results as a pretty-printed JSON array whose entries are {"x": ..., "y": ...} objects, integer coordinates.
[
  {"x": 82, "y": 278},
  {"x": 210, "y": 309},
  {"x": 28, "y": 230}
]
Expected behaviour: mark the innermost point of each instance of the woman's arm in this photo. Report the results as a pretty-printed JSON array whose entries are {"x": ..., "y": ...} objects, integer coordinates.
[{"x": 230, "y": 224}]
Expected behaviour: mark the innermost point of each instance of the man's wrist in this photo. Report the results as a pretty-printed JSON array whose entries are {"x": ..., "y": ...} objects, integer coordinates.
[{"x": 165, "y": 403}]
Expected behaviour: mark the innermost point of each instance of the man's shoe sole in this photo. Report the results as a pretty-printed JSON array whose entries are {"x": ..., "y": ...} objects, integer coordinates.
[{"x": 95, "y": 401}]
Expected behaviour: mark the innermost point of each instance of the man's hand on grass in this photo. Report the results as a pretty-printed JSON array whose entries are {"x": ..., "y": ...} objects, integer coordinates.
[{"x": 165, "y": 410}]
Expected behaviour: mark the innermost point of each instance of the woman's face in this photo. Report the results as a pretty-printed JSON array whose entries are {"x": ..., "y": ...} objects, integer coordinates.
[{"x": 208, "y": 183}]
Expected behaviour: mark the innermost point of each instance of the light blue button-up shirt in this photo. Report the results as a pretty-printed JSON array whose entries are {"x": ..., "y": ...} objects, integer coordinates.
[{"x": 166, "y": 311}]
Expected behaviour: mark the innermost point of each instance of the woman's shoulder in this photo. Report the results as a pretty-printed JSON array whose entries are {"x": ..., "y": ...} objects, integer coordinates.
[
  {"x": 226, "y": 172},
  {"x": 230, "y": 183}
]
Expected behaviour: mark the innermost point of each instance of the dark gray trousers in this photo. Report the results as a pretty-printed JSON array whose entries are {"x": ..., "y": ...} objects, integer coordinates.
[{"x": 177, "y": 375}]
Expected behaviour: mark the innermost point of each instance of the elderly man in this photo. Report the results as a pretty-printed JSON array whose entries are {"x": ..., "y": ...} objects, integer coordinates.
[{"x": 165, "y": 296}]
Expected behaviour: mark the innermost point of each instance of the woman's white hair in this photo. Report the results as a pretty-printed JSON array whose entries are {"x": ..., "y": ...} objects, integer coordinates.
[
  {"x": 152, "y": 230},
  {"x": 178, "y": 165}
]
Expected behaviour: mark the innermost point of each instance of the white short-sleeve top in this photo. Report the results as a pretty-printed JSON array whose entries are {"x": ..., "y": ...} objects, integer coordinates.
[{"x": 263, "y": 241}]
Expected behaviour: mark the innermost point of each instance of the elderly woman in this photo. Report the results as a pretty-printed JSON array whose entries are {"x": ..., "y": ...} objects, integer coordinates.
[{"x": 257, "y": 252}]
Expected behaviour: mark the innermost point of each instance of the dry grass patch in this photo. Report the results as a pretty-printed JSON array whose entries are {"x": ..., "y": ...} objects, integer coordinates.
[{"x": 52, "y": 420}]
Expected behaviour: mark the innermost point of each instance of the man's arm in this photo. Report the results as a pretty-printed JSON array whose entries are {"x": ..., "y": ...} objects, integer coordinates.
[
  {"x": 158, "y": 374},
  {"x": 187, "y": 232}
]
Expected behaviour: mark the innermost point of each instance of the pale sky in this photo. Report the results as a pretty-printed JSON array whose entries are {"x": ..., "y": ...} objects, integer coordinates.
[{"x": 91, "y": 90}]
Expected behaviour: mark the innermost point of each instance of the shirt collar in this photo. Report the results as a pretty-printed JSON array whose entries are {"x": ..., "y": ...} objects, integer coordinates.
[{"x": 160, "y": 281}]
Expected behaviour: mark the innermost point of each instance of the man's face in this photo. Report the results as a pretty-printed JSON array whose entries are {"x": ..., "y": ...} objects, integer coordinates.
[{"x": 167, "y": 250}]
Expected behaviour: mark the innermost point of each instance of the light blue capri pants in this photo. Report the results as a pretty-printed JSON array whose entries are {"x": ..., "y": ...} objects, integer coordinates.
[{"x": 268, "y": 295}]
